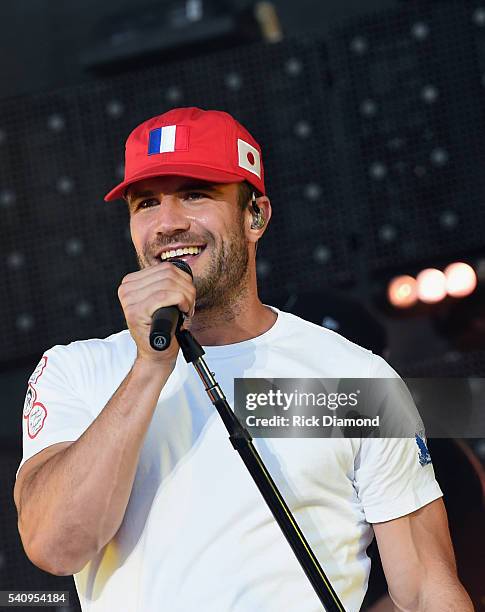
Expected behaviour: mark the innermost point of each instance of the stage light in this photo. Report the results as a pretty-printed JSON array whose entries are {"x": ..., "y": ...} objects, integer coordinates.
[
  {"x": 269, "y": 22},
  {"x": 387, "y": 233},
  {"x": 83, "y": 309},
  {"x": 293, "y": 66},
  {"x": 233, "y": 81},
  {"x": 461, "y": 279},
  {"x": 448, "y": 219},
  {"x": 114, "y": 109},
  {"x": 312, "y": 192},
  {"x": 303, "y": 129},
  {"x": 480, "y": 448},
  {"x": 15, "y": 260},
  {"x": 330, "y": 323},
  {"x": 321, "y": 254},
  {"x": 74, "y": 247},
  {"x": 479, "y": 17},
  {"x": 431, "y": 285},
  {"x": 402, "y": 291},
  {"x": 378, "y": 171},
  {"x": 359, "y": 45},
  {"x": 56, "y": 122},
  {"x": 263, "y": 268},
  {"x": 193, "y": 10},
  {"x": 439, "y": 157},
  {"x": 368, "y": 108},
  {"x": 24, "y": 322},
  {"x": 7, "y": 198},
  {"x": 65, "y": 185},
  {"x": 173, "y": 94},
  {"x": 420, "y": 30},
  {"x": 429, "y": 94}
]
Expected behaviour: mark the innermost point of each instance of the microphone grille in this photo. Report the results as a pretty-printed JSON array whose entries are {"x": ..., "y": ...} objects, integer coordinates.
[{"x": 182, "y": 265}]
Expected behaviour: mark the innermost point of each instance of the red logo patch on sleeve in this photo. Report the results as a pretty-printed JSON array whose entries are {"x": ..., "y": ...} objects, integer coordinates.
[
  {"x": 30, "y": 400},
  {"x": 37, "y": 373},
  {"x": 36, "y": 417},
  {"x": 35, "y": 412}
]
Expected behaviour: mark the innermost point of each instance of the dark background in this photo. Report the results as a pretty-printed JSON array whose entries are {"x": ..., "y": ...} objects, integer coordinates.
[{"x": 371, "y": 117}]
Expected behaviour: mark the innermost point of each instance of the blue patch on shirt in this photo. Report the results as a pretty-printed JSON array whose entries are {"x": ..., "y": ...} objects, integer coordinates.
[{"x": 424, "y": 456}]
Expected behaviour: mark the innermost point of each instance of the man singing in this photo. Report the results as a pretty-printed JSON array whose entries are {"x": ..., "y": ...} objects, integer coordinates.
[{"x": 128, "y": 480}]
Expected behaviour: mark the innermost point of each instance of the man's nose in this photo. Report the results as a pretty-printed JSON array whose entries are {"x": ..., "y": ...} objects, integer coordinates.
[{"x": 171, "y": 218}]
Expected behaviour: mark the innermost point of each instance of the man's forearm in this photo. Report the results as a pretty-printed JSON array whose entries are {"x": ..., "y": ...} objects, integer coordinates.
[
  {"x": 444, "y": 594},
  {"x": 74, "y": 504}
]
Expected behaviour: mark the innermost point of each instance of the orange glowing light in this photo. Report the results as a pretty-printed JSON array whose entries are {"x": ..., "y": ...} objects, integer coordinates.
[
  {"x": 461, "y": 279},
  {"x": 431, "y": 285},
  {"x": 402, "y": 291}
]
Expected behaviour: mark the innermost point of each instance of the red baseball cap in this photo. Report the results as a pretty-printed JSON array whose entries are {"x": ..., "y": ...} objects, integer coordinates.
[{"x": 204, "y": 144}]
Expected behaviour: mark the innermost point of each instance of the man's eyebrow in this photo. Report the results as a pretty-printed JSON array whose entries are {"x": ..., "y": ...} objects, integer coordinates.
[
  {"x": 203, "y": 185},
  {"x": 131, "y": 196},
  {"x": 136, "y": 195}
]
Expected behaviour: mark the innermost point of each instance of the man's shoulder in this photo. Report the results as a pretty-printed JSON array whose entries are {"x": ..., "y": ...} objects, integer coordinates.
[
  {"x": 118, "y": 344},
  {"x": 319, "y": 335},
  {"x": 322, "y": 350}
]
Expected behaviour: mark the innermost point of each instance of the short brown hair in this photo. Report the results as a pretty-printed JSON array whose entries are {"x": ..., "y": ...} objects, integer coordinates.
[{"x": 245, "y": 194}]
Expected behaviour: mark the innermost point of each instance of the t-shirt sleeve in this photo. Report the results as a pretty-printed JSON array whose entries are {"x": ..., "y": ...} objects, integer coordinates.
[
  {"x": 393, "y": 476},
  {"x": 54, "y": 408}
]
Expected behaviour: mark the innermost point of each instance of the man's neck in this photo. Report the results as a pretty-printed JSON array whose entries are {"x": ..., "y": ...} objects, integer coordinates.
[{"x": 230, "y": 324}]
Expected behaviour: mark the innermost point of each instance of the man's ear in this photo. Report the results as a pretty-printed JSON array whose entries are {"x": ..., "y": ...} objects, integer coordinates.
[{"x": 257, "y": 218}]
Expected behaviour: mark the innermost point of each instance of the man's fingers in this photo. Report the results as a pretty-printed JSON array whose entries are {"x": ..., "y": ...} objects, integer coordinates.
[
  {"x": 143, "y": 292},
  {"x": 162, "y": 269},
  {"x": 166, "y": 298},
  {"x": 138, "y": 293}
]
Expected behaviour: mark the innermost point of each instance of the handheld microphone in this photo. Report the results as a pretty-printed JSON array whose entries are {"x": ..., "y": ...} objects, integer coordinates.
[{"x": 166, "y": 319}]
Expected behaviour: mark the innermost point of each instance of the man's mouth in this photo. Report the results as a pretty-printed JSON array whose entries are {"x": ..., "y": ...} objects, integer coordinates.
[{"x": 186, "y": 252}]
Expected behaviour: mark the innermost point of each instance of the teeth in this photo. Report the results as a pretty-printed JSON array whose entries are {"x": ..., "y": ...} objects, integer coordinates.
[{"x": 191, "y": 250}]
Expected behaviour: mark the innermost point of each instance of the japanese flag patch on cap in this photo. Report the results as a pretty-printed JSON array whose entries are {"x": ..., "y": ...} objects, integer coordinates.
[{"x": 249, "y": 157}]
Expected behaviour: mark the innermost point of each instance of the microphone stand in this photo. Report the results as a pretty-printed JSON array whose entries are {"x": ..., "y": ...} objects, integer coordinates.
[{"x": 242, "y": 443}]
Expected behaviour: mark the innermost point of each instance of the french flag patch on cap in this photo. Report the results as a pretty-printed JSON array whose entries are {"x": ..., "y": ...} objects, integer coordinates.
[{"x": 168, "y": 139}]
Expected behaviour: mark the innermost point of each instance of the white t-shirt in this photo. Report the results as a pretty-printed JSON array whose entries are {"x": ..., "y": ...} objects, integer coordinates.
[{"x": 197, "y": 535}]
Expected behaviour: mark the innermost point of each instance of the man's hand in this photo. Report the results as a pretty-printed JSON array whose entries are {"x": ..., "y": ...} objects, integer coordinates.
[
  {"x": 141, "y": 293},
  {"x": 419, "y": 563}
]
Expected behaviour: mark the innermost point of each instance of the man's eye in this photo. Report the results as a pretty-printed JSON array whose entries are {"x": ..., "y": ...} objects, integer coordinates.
[
  {"x": 194, "y": 195},
  {"x": 189, "y": 195},
  {"x": 146, "y": 203}
]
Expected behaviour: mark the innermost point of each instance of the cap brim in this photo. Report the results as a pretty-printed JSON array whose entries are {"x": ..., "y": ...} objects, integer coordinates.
[{"x": 199, "y": 172}]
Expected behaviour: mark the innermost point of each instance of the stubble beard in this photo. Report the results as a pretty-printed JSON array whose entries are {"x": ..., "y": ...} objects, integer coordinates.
[{"x": 225, "y": 283}]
